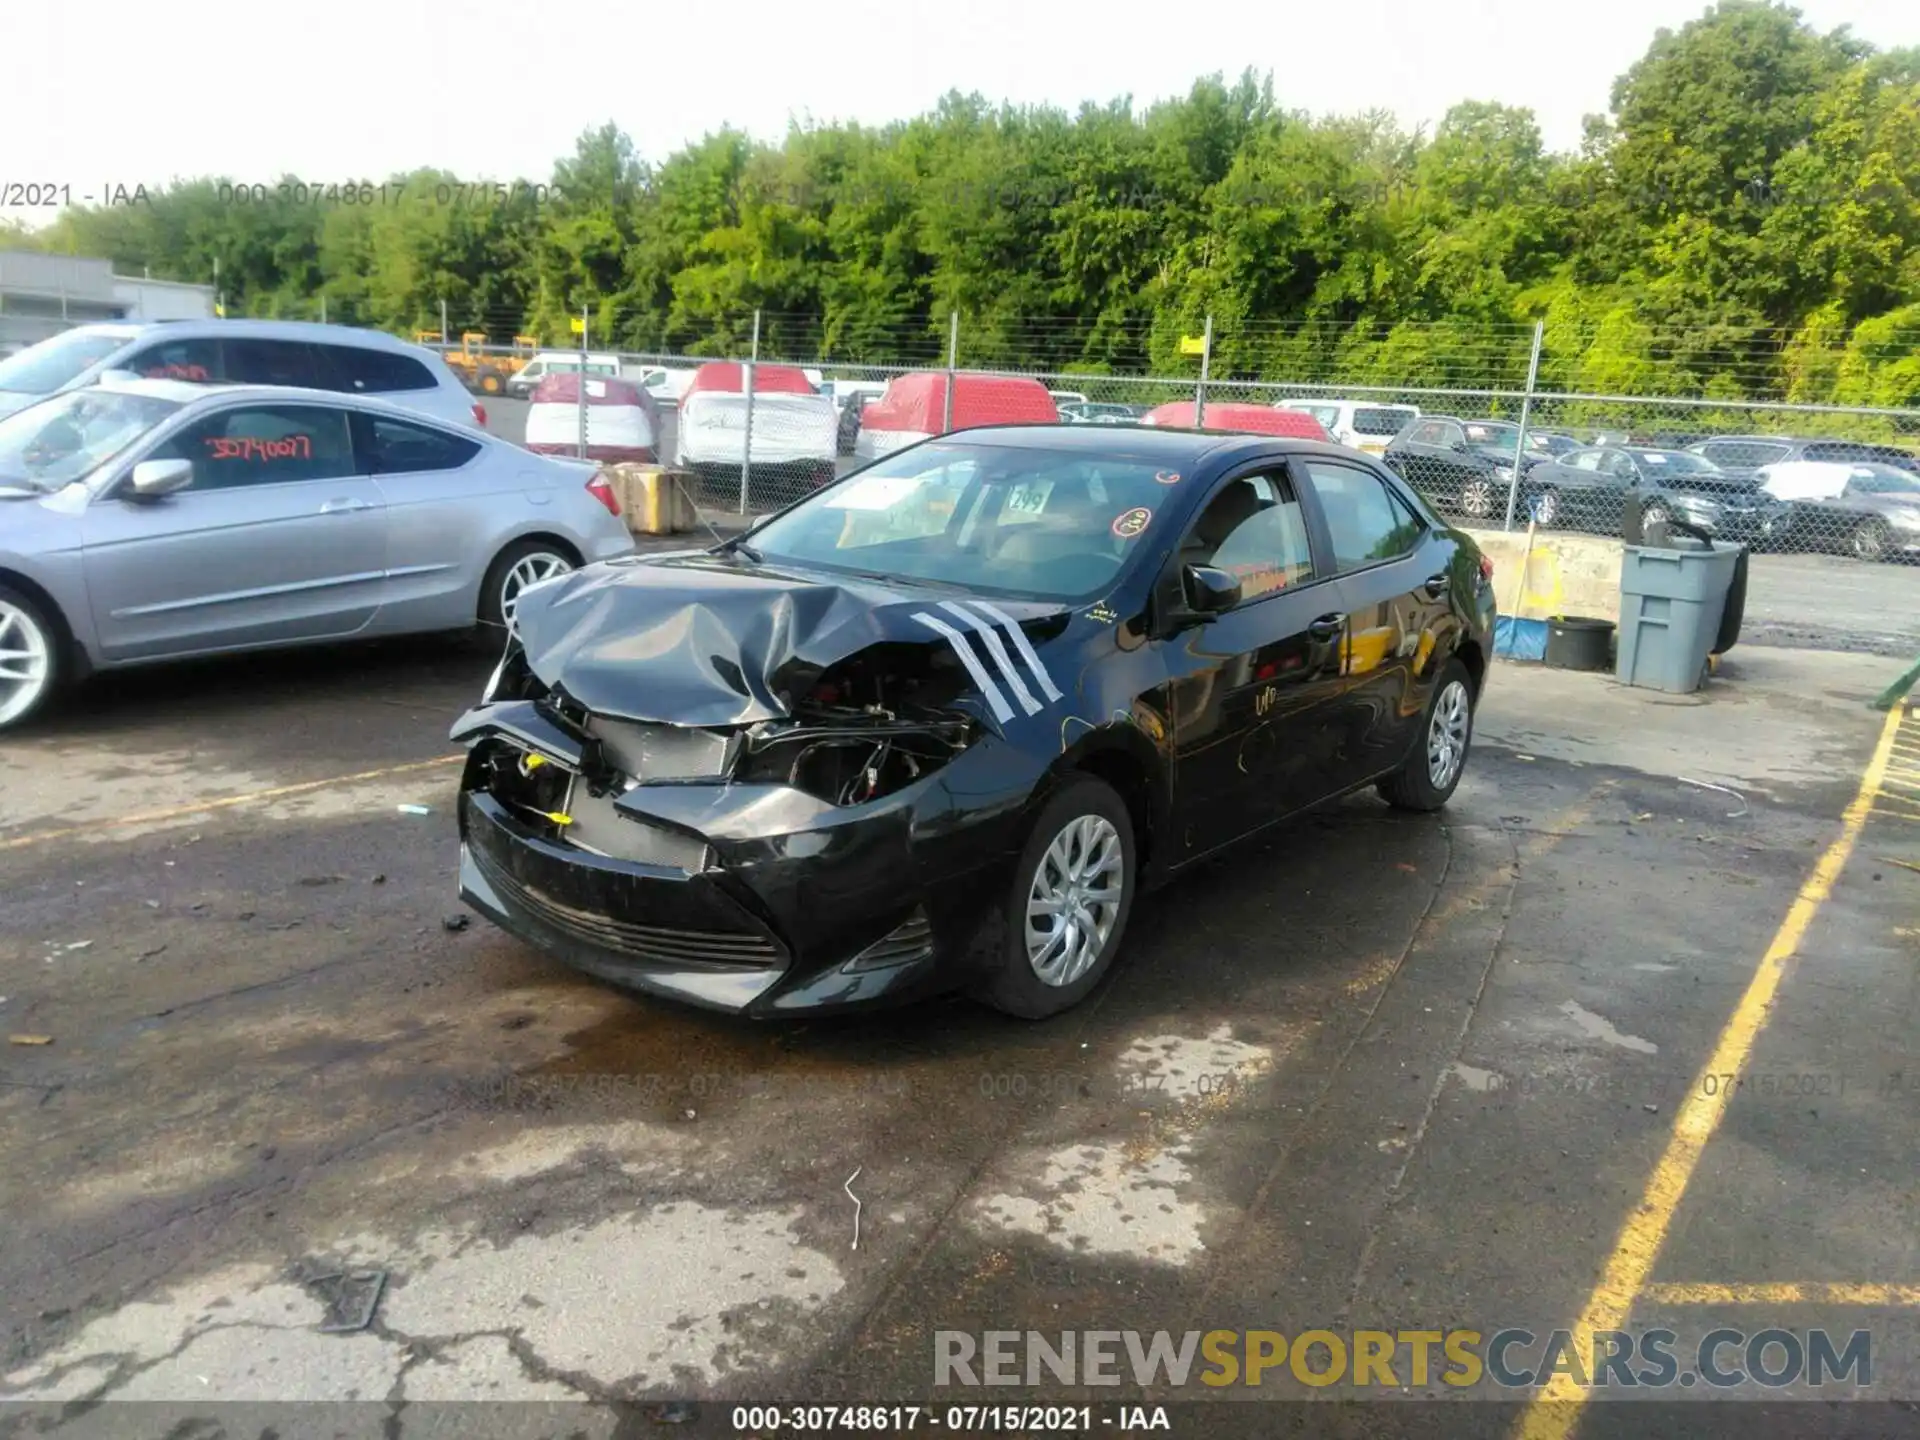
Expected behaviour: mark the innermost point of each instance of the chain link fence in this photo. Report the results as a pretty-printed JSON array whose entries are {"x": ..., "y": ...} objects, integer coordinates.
[
  {"x": 1466, "y": 416},
  {"x": 1499, "y": 424}
]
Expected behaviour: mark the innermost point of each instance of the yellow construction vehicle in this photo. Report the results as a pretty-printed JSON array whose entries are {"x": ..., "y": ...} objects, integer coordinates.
[{"x": 484, "y": 372}]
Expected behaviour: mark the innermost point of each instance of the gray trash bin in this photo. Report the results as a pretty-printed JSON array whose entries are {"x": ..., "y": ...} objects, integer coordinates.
[{"x": 1671, "y": 601}]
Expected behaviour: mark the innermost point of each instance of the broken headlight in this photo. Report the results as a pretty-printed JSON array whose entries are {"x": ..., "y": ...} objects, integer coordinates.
[
  {"x": 512, "y": 678},
  {"x": 853, "y": 757}
]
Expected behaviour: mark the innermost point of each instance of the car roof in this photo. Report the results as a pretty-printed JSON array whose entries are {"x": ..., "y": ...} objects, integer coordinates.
[
  {"x": 309, "y": 330},
  {"x": 1157, "y": 444},
  {"x": 186, "y": 392}
]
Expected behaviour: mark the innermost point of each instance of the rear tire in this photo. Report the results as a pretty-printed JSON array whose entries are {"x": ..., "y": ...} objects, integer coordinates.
[
  {"x": 492, "y": 382},
  {"x": 1432, "y": 772},
  {"x": 1075, "y": 879},
  {"x": 32, "y": 658},
  {"x": 523, "y": 563}
]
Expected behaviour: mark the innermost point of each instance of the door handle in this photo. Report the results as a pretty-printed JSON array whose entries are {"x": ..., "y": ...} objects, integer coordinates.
[
  {"x": 1436, "y": 586},
  {"x": 345, "y": 507},
  {"x": 1328, "y": 627}
]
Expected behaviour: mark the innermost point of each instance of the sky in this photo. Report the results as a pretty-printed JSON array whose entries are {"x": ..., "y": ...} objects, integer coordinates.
[{"x": 345, "y": 89}]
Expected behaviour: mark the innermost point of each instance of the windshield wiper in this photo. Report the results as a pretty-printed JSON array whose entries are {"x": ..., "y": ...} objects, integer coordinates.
[{"x": 739, "y": 546}]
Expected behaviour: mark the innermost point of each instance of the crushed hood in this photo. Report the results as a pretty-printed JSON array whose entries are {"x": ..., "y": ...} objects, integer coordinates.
[{"x": 704, "y": 640}]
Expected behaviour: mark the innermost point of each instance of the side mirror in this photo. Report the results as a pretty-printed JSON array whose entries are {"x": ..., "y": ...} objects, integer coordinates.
[
  {"x": 153, "y": 478},
  {"x": 1209, "y": 591}
]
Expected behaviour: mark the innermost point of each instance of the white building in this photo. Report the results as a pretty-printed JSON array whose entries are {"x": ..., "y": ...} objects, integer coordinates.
[{"x": 41, "y": 295}]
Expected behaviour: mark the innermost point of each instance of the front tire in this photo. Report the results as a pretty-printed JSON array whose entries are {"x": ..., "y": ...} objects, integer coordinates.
[
  {"x": 1870, "y": 540},
  {"x": 523, "y": 563},
  {"x": 30, "y": 658},
  {"x": 1476, "y": 499},
  {"x": 1432, "y": 772},
  {"x": 1066, "y": 910},
  {"x": 1546, "y": 508}
]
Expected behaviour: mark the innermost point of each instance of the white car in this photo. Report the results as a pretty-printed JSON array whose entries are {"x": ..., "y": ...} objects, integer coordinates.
[
  {"x": 339, "y": 358},
  {"x": 1365, "y": 425},
  {"x": 527, "y": 378}
]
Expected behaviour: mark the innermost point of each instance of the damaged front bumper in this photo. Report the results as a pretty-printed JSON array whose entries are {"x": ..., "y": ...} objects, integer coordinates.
[{"x": 730, "y": 893}]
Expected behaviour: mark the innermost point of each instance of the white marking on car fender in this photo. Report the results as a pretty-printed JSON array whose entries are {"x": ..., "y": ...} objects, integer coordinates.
[
  {"x": 1025, "y": 646},
  {"x": 1002, "y": 711},
  {"x": 1008, "y": 671}
]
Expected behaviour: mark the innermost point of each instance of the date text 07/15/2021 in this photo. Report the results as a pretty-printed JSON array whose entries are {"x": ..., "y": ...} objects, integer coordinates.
[{"x": 764, "y": 1420}]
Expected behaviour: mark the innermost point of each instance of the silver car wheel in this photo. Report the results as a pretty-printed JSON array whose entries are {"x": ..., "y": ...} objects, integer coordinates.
[
  {"x": 26, "y": 662},
  {"x": 1075, "y": 899},
  {"x": 1476, "y": 498},
  {"x": 526, "y": 571},
  {"x": 1447, "y": 734}
]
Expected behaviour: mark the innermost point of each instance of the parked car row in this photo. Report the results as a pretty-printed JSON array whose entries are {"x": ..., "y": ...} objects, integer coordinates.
[{"x": 1771, "y": 492}]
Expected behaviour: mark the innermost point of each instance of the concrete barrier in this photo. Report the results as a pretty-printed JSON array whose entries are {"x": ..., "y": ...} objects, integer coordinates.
[{"x": 1565, "y": 575}]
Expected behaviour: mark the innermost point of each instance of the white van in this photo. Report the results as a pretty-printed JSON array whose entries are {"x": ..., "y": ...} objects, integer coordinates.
[
  {"x": 521, "y": 383},
  {"x": 1360, "y": 424}
]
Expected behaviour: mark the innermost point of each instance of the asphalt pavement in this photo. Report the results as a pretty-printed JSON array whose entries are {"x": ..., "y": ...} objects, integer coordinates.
[{"x": 1412, "y": 1073}]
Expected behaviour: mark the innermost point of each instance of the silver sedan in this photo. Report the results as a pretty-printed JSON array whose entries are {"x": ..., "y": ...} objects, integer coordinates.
[{"x": 149, "y": 520}]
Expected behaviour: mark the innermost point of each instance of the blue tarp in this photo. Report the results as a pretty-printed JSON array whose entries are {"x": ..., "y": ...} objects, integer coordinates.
[{"x": 1519, "y": 639}]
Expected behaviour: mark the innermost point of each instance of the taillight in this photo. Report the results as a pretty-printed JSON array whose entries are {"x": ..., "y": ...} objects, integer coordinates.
[
  {"x": 1486, "y": 569},
  {"x": 480, "y": 416},
  {"x": 603, "y": 492}
]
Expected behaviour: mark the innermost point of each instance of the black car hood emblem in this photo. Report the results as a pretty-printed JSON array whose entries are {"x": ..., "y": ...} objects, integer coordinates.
[{"x": 703, "y": 640}]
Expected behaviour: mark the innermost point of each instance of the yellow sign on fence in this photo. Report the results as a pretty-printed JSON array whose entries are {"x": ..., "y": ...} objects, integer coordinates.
[
  {"x": 1193, "y": 344},
  {"x": 577, "y": 325}
]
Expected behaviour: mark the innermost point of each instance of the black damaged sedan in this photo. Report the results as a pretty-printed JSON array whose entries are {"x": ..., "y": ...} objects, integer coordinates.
[{"x": 936, "y": 726}]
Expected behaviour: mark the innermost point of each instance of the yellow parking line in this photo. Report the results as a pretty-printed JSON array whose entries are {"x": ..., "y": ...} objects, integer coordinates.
[
  {"x": 1555, "y": 1413},
  {"x": 224, "y": 802},
  {"x": 1816, "y": 1293}
]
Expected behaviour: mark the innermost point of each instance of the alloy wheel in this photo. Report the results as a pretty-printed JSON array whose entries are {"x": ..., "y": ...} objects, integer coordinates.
[
  {"x": 26, "y": 662},
  {"x": 1074, "y": 900},
  {"x": 1447, "y": 734},
  {"x": 1476, "y": 498},
  {"x": 1869, "y": 540},
  {"x": 528, "y": 570},
  {"x": 1546, "y": 509}
]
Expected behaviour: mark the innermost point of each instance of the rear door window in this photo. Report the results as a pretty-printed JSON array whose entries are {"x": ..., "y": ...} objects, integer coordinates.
[
  {"x": 375, "y": 372},
  {"x": 1365, "y": 518},
  {"x": 399, "y": 447},
  {"x": 273, "y": 362}
]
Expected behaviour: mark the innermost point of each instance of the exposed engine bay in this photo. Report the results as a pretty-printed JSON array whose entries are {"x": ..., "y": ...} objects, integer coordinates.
[{"x": 865, "y": 728}]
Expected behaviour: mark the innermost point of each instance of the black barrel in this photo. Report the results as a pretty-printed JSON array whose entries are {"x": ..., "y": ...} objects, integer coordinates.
[{"x": 1579, "y": 642}]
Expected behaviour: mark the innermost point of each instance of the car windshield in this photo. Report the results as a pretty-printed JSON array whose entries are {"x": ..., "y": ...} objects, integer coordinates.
[
  {"x": 1000, "y": 519},
  {"x": 1884, "y": 480},
  {"x": 64, "y": 439},
  {"x": 42, "y": 369},
  {"x": 1381, "y": 420},
  {"x": 1679, "y": 462},
  {"x": 1743, "y": 454},
  {"x": 1481, "y": 432}
]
